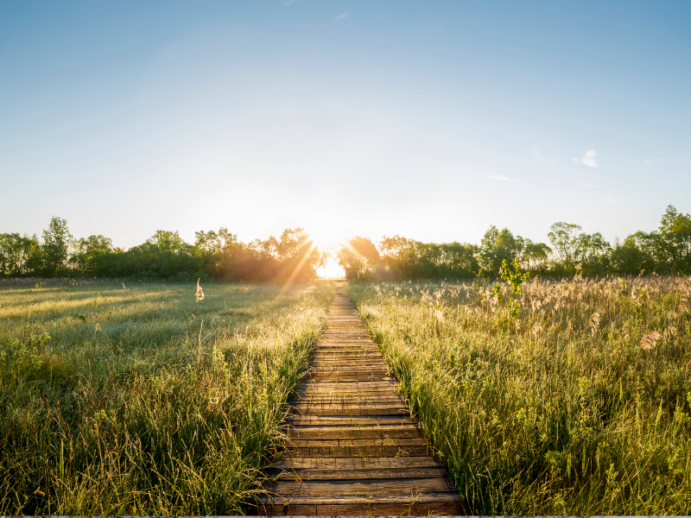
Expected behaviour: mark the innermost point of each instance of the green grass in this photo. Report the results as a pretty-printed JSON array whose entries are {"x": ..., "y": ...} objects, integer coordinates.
[
  {"x": 135, "y": 401},
  {"x": 560, "y": 411}
]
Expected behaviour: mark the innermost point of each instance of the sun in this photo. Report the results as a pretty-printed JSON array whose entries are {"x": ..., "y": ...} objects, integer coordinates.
[
  {"x": 327, "y": 242},
  {"x": 331, "y": 270}
]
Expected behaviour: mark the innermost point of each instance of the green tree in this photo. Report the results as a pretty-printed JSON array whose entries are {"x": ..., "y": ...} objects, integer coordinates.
[
  {"x": 635, "y": 255},
  {"x": 56, "y": 240},
  {"x": 357, "y": 256},
  {"x": 534, "y": 255},
  {"x": 167, "y": 241},
  {"x": 16, "y": 253},
  {"x": 90, "y": 254},
  {"x": 593, "y": 252},
  {"x": 564, "y": 239},
  {"x": 675, "y": 240},
  {"x": 496, "y": 247}
]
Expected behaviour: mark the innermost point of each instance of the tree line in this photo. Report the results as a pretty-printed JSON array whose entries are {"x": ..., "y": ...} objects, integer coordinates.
[
  {"x": 666, "y": 250},
  {"x": 292, "y": 257}
]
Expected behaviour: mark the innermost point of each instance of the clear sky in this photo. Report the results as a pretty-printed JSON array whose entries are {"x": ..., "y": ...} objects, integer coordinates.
[{"x": 431, "y": 120}]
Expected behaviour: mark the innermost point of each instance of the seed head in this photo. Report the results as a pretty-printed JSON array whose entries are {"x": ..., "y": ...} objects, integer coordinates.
[
  {"x": 199, "y": 295},
  {"x": 594, "y": 322},
  {"x": 649, "y": 341}
]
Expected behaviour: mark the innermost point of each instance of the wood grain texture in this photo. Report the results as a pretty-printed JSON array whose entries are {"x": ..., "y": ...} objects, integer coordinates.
[{"x": 352, "y": 447}]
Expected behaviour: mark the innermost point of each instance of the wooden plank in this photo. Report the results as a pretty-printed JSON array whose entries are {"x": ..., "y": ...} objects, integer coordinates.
[
  {"x": 350, "y": 410},
  {"x": 299, "y": 420},
  {"x": 358, "y": 451},
  {"x": 391, "y": 498},
  {"x": 351, "y": 432},
  {"x": 356, "y": 442},
  {"x": 355, "y": 474},
  {"x": 346, "y": 391},
  {"x": 364, "y": 384},
  {"x": 367, "y": 463},
  {"x": 359, "y": 488},
  {"x": 338, "y": 403}
]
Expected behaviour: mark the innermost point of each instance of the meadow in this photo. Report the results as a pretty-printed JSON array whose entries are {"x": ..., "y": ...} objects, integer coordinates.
[
  {"x": 134, "y": 399},
  {"x": 575, "y": 402}
]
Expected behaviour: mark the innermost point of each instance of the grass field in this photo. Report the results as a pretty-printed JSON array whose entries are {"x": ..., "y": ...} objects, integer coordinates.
[
  {"x": 135, "y": 400},
  {"x": 579, "y": 405}
]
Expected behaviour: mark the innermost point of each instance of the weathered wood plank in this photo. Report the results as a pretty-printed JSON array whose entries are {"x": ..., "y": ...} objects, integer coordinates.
[
  {"x": 355, "y": 474},
  {"x": 358, "y": 451},
  {"x": 368, "y": 463},
  {"x": 352, "y": 432},
  {"x": 299, "y": 420},
  {"x": 360, "y": 488},
  {"x": 398, "y": 498}
]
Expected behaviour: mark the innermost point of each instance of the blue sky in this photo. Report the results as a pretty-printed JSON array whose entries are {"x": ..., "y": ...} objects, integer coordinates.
[{"x": 428, "y": 119}]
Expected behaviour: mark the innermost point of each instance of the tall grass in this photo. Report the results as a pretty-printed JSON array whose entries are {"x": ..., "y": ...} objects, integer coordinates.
[
  {"x": 126, "y": 400},
  {"x": 580, "y": 405}
]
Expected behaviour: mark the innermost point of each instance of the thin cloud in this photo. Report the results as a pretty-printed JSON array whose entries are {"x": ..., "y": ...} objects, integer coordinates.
[
  {"x": 343, "y": 15},
  {"x": 536, "y": 154},
  {"x": 288, "y": 2},
  {"x": 589, "y": 159},
  {"x": 613, "y": 202},
  {"x": 654, "y": 161},
  {"x": 588, "y": 185},
  {"x": 501, "y": 178}
]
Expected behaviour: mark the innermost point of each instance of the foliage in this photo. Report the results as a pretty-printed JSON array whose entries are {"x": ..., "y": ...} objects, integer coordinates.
[
  {"x": 357, "y": 256},
  {"x": 580, "y": 406},
  {"x": 514, "y": 278},
  {"x": 409, "y": 259},
  {"x": 293, "y": 257},
  {"x": 290, "y": 258},
  {"x": 56, "y": 240},
  {"x": 665, "y": 251}
]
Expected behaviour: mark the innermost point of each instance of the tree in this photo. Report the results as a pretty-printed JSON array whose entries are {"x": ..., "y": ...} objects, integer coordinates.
[
  {"x": 496, "y": 247},
  {"x": 593, "y": 252},
  {"x": 675, "y": 240},
  {"x": 167, "y": 241},
  {"x": 56, "y": 240},
  {"x": 15, "y": 253},
  {"x": 563, "y": 237},
  {"x": 357, "y": 256},
  {"x": 534, "y": 255},
  {"x": 635, "y": 254},
  {"x": 90, "y": 254}
]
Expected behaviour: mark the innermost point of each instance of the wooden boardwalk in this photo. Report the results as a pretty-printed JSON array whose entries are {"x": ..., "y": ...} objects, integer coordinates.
[{"x": 352, "y": 447}]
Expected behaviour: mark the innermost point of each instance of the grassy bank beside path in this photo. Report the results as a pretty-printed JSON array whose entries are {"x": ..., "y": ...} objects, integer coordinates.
[
  {"x": 579, "y": 405},
  {"x": 135, "y": 400}
]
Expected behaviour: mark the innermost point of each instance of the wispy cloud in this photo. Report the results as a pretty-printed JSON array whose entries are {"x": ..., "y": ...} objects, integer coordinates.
[
  {"x": 613, "y": 202},
  {"x": 343, "y": 15},
  {"x": 589, "y": 159},
  {"x": 588, "y": 185},
  {"x": 288, "y": 2},
  {"x": 654, "y": 161},
  {"x": 536, "y": 154},
  {"x": 500, "y": 178}
]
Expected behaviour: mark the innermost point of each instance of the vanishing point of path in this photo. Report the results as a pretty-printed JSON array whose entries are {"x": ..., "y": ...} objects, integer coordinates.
[{"x": 352, "y": 447}]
